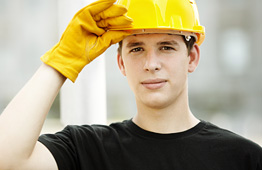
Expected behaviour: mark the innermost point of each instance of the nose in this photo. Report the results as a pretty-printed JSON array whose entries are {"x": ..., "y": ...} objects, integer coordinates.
[{"x": 152, "y": 61}]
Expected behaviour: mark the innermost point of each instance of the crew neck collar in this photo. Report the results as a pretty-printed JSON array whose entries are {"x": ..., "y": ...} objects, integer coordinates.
[{"x": 148, "y": 134}]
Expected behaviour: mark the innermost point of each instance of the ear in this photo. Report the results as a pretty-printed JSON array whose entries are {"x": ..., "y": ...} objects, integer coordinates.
[
  {"x": 194, "y": 57},
  {"x": 121, "y": 64}
]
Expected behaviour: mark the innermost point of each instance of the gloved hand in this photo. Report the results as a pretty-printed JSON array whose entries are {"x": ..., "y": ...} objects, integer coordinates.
[{"x": 86, "y": 37}]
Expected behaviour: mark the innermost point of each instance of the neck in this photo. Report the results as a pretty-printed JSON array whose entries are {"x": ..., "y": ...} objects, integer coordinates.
[{"x": 174, "y": 118}]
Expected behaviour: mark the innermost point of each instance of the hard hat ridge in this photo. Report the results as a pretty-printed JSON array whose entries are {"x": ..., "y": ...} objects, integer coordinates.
[{"x": 164, "y": 16}]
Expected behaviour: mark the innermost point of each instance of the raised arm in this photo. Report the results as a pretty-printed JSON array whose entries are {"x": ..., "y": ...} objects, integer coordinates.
[{"x": 21, "y": 122}]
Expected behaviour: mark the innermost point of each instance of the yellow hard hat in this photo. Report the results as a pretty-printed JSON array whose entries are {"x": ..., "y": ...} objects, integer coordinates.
[{"x": 164, "y": 16}]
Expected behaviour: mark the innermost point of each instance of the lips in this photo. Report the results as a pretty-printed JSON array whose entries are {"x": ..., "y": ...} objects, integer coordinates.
[{"x": 154, "y": 84}]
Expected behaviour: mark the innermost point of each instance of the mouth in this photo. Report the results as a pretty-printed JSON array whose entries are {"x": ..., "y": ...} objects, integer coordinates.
[{"x": 154, "y": 84}]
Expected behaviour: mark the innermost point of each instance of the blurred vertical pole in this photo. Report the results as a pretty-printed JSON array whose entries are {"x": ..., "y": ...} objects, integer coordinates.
[{"x": 82, "y": 102}]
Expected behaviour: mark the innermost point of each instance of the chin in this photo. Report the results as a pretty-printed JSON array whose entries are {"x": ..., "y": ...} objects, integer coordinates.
[{"x": 156, "y": 102}]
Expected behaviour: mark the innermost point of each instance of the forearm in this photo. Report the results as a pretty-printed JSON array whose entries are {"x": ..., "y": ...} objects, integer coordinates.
[
  {"x": 22, "y": 120},
  {"x": 85, "y": 38}
]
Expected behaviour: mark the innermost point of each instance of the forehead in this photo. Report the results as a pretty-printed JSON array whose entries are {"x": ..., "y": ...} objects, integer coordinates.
[{"x": 152, "y": 38}]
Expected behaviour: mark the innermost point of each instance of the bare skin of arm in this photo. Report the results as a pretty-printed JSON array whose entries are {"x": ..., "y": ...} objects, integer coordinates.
[{"x": 22, "y": 120}]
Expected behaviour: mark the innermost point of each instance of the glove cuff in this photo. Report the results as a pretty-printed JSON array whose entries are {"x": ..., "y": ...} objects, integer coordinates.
[{"x": 52, "y": 59}]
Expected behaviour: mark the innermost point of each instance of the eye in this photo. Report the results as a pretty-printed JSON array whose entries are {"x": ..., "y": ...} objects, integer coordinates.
[
  {"x": 166, "y": 48},
  {"x": 138, "y": 49}
]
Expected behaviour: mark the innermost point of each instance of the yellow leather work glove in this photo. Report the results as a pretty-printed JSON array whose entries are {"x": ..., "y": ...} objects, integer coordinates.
[{"x": 86, "y": 37}]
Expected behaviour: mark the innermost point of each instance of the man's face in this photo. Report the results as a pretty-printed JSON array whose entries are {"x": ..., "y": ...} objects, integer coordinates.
[{"x": 156, "y": 67}]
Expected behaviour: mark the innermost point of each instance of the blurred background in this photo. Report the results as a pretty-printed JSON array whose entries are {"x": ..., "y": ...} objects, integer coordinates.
[{"x": 226, "y": 89}]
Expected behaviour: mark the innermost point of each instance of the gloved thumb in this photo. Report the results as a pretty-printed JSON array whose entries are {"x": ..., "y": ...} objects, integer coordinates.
[
  {"x": 103, "y": 42},
  {"x": 118, "y": 36}
]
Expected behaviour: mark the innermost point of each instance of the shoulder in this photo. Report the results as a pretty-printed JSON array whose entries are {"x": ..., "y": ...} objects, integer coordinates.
[
  {"x": 83, "y": 140},
  {"x": 228, "y": 138},
  {"x": 225, "y": 148},
  {"x": 95, "y": 130}
]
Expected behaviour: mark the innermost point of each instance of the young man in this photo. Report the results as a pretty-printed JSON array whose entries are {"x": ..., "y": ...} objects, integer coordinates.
[{"x": 156, "y": 57}]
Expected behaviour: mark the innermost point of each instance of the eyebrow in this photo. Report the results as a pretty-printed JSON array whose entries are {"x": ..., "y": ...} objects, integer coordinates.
[
  {"x": 134, "y": 44},
  {"x": 171, "y": 42}
]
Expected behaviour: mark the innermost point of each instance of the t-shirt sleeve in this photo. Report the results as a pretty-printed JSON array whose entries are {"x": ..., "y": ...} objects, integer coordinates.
[
  {"x": 62, "y": 148},
  {"x": 259, "y": 164}
]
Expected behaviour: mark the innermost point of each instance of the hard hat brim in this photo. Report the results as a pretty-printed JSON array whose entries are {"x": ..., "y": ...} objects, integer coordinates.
[{"x": 198, "y": 36}]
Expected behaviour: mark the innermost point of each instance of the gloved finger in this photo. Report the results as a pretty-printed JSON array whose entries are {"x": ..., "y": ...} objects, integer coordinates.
[
  {"x": 85, "y": 21},
  {"x": 117, "y": 21},
  {"x": 113, "y": 11},
  {"x": 99, "y": 6}
]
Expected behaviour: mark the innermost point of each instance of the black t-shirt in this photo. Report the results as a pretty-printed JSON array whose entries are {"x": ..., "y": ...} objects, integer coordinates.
[{"x": 125, "y": 146}]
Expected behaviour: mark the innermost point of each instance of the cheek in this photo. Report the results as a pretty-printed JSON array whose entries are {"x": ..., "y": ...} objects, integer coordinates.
[
  {"x": 132, "y": 66},
  {"x": 178, "y": 68},
  {"x": 132, "y": 71}
]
